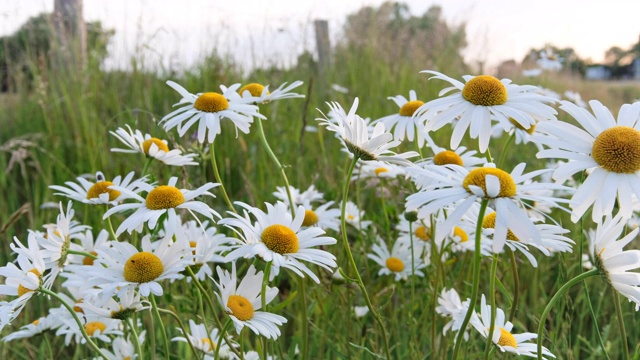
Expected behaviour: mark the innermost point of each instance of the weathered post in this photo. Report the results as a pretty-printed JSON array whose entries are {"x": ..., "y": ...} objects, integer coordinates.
[{"x": 71, "y": 33}]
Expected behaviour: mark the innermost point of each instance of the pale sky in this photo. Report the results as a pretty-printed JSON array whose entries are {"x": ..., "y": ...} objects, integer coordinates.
[{"x": 259, "y": 32}]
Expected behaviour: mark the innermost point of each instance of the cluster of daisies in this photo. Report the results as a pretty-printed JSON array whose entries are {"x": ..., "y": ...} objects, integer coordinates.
[{"x": 455, "y": 202}]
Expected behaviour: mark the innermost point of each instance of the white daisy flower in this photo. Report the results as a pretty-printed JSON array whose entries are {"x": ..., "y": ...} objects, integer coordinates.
[
  {"x": 152, "y": 147},
  {"x": 502, "y": 336},
  {"x": 479, "y": 101},
  {"x": 398, "y": 261},
  {"x": 575, "y": 98},
  {"x": 304, "y": 198},
  {"x": 450, "y": 306},
  {"x": 242, "y": 302},
  {"x": 201, "y": 340},
  {"x": 89, "y": 245},
  {"x": 354, "y": 217},
  {"x": 458, "y": 186},
  {"x": 123, "y": 349},
  {"x": 100, "y": 191},
  {"x": 354, "y": 132},
  {"x": 96, "y": 327},
  {"x": 128, "y": 303},
  {"x": 406, "y": 125},
  {"x": 120, "y": 266},
  {"x": 208, "y": 110},
  {"x": 614, "y": 263},
  {"x": 38, "y": 326},
  {"x": 279, "y": 238},
  {"x": 459, "y": 156},
  {"x": 160, "y": 200},
  {"x": 323, "y": 216},
  {"x": 376, "y": 170},
  {"x": 610, "y": 149},
  {"x": 260, "y": 94}
]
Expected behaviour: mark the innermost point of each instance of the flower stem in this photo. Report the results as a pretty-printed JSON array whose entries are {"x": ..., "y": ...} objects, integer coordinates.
[
  {"x": 146, "y": 166},
  {"x": 136, "y": 341},
  {"x": 263, "y": 305},
  {"x": 184, "y": 330},
  {"x": 413, "y": 266},
  {"x": 223, "y": 331},
  {"x": 81, "y": 253},
  {"x": 163, "y": 330},
  {"x": 352, "y": 262},
  {"x": 75, "y": 317},
  {"x": 492, "y": 300},
  {"x": 554, "y": 299},
  {"x": 477, "y": 256},
  {"x": 623, "y": 332},
  {"x": 216, "y": 174},
  {"x": 113, "y": 233},
  {"x": 305, "y": 329}
]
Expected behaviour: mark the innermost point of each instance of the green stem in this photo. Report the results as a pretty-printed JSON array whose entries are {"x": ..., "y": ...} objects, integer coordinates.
[
  {"x": 554, "y": 299},
  {"x": 273, "y": 157},
  {"x": 216, "y": 174},
  {"x": 184, "y": 331},
  {"x": 623, "y": 332},
  {"x": 263, "y": 303},
  {"x": 81, "y": 253},
  {"x": 492, "y": 300},
  {"x": 201, "y": 305},
  {"x": 75, "y": 317},
  {"x": 413, "y": 267},
  {"x": 477, "y": 256},
  {"x": 113, "y": 233},
  {"x": 352, "y": 261},
  {"x": 146, "y": 166},
  {"x": 516, "y": 285},
  {"x": 136, "y": 341},
  {"x": 305, "y": 321},
  {"x": 223, "y": 331},
  {"x": 163, "y": 330},
  {"x": 503, "y": 155}
]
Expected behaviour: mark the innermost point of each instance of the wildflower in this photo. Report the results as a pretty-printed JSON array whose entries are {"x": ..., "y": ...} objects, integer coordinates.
[
  {"x": 405, "y": 124},
  {"x": 354, "y": 217},
  {"x": 398, "y": 262},
  {"x": 260, "y": 94},
  {"x": 450, "y": 306},
  {"x": 152, "y": 147},
  {"x": 100, "y": 191},
  {"x": 202, "y": 340}
]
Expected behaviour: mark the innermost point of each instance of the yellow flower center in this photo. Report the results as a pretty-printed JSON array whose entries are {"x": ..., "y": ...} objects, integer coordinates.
[
  {"x": 143, "y": 267},
  {"x": 530, "y": 130},
  {"x": 89, "y": 260},
  {"x": 146, "y": 145},
  {"x": 206, "y": 343},
  {"x": 506, "y": 339},
  {"x": 77, "y": 308},
  {"x": 457, "y": 231},
  {"x": 485, "y": 90},
  {"x": 380, "y": 170},
  {"x": 254, "y": 89},
  {"x": 36, "y": 322},
  {"x": 164, "y": 197},
  {"x": 350, "y": 217},
  {"x": 394, "y": 264},
  {"x": 447, "y": 157},
  {"x": 478, "y": 176},
  {"x": 94, "y": 326},
  {"x": 617, "y": 149},
  {"x": 410, "y": 108},
  {"x": 280, "y": 239},
  {"x": 211, "y": 102},
  {"x": 489, "y": 222},
  {"x": 310, "y": 218},
  {"x": 240, "y": 307},
  {"x": 23, "y": 290},
  {"x": 101, "y": 187},
  {"x": 422, "y": 233}
]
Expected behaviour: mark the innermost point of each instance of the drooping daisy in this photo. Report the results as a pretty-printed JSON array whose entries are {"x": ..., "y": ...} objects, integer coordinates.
[
  {"x": 22, "y": 280},
  {"x": 260, "y": 94},
  {"x": 450, "y": 306},
  {"x": 120, "y": 266},
  {"x": 502, "y": 336},
  {"x": 152, "y": 147},
  {"x": 479, "y": 101},
  {"x": 100, "y": 191},
  {"x": 354, "y": 133},
  {"x": 242, "y": 302},
  {"x": 459, "y": 187},
  {"x": 406, "y": 125},
  {"x": 608, "y": 148},
  {"x": 208, "y": 110},
  {"x": 614, "y": 263},
  {"x": 398, "y": 261},
  {"x": 277, "y": 237},
  {"x": 201, "y": 340},
  {"x": 160, "y": 200}
]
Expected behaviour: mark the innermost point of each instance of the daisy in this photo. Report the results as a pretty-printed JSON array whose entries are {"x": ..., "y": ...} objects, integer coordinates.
[
  {"x": 151, "y": 147},
  {"x": 406, "y": 125},
  {"x": 123, "y": 349},
  {"x": 461, "y": 188},
  {"x": 613, "y": 262},
  {"x": 22, "y": 280},
  {"x": 89, "y": 245},
  {"x": 459, "y": 156},
  {"x": 502, "y": 336},
  {"x": 324, "y": 216},
  {"x": 120, "y": 266},
  {"x": 259, "y": 94},
  {"x": 128, "y": 303},
  {"x": 38, "y": 326},
  {"x": 208, "y": 110},
  {"x": 100, "y": 191},
  {"x": 304, "y": 198},
  {"x": 354, "y": 133},
  {"x": 608, "y": 148},
  {"x": 575, "y": 98},
  {"x": 242, "y": 302},
  {"x": 376, "y": 170},
  {"x": 479, "y": 101},
  {"x": 450, "y": 306},
  {"x": 96, "y": 327},
  {"x": 354, "y": 216},
  {"x": 201, "y": 340},
  {"x": 398, "y": 261},
  {"x": 160, "y": 200},
  {"x": 277, "y": 237}
]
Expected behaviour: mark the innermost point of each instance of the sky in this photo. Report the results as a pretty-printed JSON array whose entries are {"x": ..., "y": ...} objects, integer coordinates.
[{"x": 260, "y": 32}]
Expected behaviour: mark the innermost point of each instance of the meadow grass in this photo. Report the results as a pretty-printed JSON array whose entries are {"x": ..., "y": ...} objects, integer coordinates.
[{"x": 64, "y": 118}]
